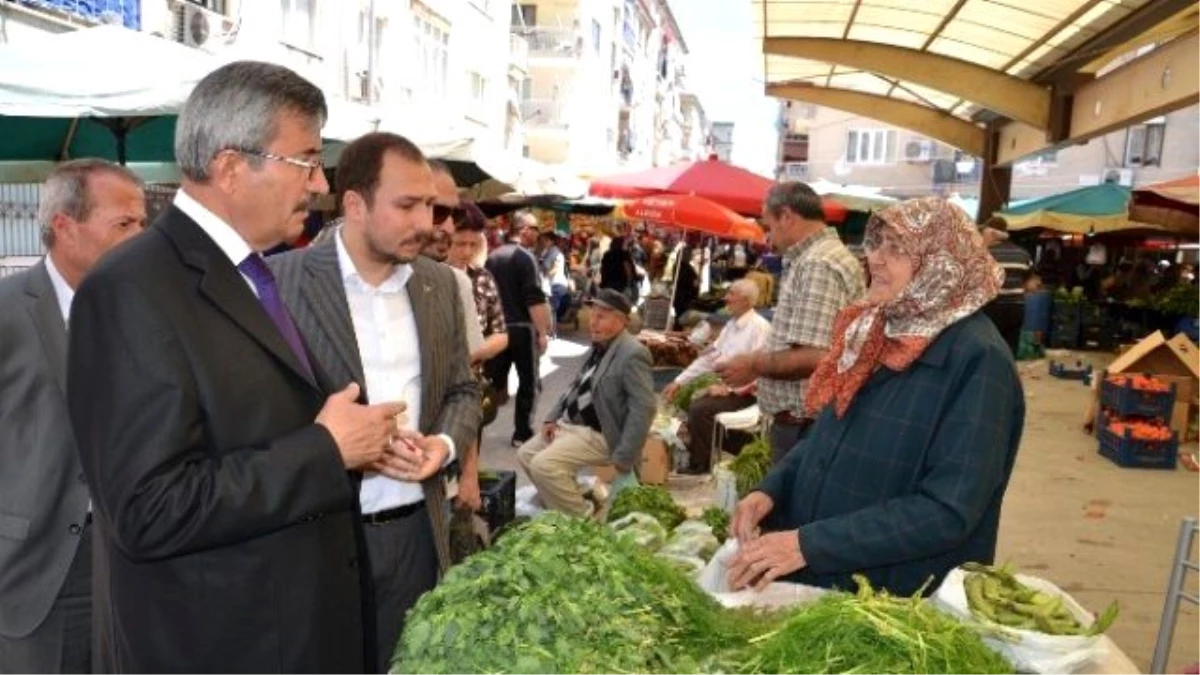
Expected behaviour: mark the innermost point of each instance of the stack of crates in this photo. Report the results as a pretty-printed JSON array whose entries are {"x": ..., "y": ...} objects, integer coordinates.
[{"x": 1138, "y": 403}]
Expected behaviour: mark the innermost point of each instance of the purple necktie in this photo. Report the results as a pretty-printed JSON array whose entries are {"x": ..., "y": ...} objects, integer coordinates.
[{"x": 268, "y": 294}]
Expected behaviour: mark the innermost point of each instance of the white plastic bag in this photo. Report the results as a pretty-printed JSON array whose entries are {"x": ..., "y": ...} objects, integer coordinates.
[
  {"x": 712, "y": 577},
  {"x": 528, "y": 505},
  {"x": 643, "y": 528},
  {"x": 1028, "y": 650},
  {"x": 697, "y": 544},
  {"x": 777, "y": 595},
  {"x": 726, "y": 496},
  {"x": 687, "y": 564}
]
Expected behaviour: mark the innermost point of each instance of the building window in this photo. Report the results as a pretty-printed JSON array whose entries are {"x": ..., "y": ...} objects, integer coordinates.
[
  {"x": 478, "y": 88},
  {"x": 524, "y": 16},
  {"x": 596, "y": 36},
  {"x": 871, "y": 146},
  {"x": 217, "y": 6},
  {"x": 299, "y": 21},
  {"x": 1144, "y": 143},
  {"x": 432, "y": 44}
]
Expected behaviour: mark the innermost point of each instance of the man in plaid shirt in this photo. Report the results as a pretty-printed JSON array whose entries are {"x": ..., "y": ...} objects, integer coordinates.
[{"x": 821, "y": 278}]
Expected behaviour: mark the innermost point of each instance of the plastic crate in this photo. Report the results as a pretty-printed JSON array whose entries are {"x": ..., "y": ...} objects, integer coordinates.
[
  {"x": 1062, "y": 372},
  {"x": 1131, "y": 453},
  {"x": 498, "y": 492},
  {"x": 1125, "y": 401}
]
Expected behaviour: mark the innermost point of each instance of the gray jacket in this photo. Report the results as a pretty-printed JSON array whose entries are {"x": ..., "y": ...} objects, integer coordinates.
[
  {"x": 624, "y": 399},
  {"x": 43, "y": 499}
]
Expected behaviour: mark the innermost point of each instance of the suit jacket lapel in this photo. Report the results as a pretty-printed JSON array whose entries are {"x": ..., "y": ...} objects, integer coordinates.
[
  {"x": 225, "y": 288},
  {"x": 420, "y": 296},
  {"x": 47, "y": 318},
  {"x": 325, "y": 293},
  {"x": 609, "y": 355}
]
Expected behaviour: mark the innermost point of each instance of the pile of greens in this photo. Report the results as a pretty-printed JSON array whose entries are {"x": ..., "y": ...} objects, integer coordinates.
[
  {"x": 563, "y": 595},
  {"x": 870, "y": 633},
  {"x": 1179, "y": 299},
  {"x": 751, "y": 465},
  {"x": 718, "y": 520},
  {"x": 683, "y": 398},
  {"x": 651, "y": 500}
]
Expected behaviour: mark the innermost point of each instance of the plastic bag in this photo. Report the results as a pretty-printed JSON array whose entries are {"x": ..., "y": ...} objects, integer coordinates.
[
  {"x": 712, "y": 578},
  {"x": 696, "y": 544},
  {"x": 691, "y": 527},
  {"x": 726, "y": 489},
  {"x": 528, "y": 504},
  {"x": 644, "y": 528},
  {"x": 687, "y": 564},
  {"x": 1030, "y": 651}
]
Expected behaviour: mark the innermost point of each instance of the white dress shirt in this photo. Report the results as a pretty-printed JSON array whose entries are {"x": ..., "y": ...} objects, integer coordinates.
[
  {"x": 222, "y": 233},
  {"x": 62, "y": 290},
  {"x": 386, "y": 331},
  {"x": 747, "y": 333}
]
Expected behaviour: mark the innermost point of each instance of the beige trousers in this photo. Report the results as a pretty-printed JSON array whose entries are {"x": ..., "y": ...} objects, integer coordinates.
[{"x": 552, "y": 466}]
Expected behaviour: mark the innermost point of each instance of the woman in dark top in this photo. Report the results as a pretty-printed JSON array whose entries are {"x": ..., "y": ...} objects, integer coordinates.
[
  {"x": 687, "y": 284},
  {"x": 918, "y": 412}
]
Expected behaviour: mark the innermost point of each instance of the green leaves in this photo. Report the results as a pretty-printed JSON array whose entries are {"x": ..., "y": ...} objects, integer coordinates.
[
  {"x": 751, "y": 465},
  {"x": 648, "y": 499}
]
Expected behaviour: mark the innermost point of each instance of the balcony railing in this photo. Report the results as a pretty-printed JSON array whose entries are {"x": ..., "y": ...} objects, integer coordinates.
[
  {"x": 795, "y": 171},
  {"x": 518, "y": 52},
  {"x": 543, "y": 113},
  {"x": 553, "y": 42}
]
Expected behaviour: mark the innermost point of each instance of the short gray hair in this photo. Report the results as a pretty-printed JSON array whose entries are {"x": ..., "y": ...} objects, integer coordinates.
[
  {"x": 747, "y": 289},
  {"x": 796, "y": 197},
  {"x": 236, "y": 107},
  {"x": 66, "y": 191}
]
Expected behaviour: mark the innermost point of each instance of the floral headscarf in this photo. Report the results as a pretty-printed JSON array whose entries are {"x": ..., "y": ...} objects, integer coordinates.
[{"x": 953, "y": 277}]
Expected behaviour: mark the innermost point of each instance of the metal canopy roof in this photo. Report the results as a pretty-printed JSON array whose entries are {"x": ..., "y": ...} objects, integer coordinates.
[{"x": 933, "y": 65}]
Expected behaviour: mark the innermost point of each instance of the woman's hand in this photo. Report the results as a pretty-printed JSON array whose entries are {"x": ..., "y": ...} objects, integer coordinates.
[
  {"x": 749, "y": 513},
  {"x": 766, "y": 559}
]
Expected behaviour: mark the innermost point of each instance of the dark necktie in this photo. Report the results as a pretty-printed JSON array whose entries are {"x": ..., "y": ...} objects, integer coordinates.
[{"x": 268, "y": 294}]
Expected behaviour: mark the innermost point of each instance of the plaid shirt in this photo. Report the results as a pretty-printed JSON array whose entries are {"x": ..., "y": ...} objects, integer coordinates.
[
  {"x": 822, "y": 278},
  {"x": 487, "y": 301},
  {"x": 908, "y": 485}
]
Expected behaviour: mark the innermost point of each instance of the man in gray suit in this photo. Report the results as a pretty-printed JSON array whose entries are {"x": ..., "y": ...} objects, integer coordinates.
[
  {"x": 87, "y": 207},
  {"x": 603, "y": 418},
  {"x": 374, "y": 312}
]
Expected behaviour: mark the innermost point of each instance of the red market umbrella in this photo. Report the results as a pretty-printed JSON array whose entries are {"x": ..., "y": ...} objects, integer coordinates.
[
  {"x": 725, "y": 184},
  {"x": 1174, "y": 205},
  {"x": 693, "y": 213}
]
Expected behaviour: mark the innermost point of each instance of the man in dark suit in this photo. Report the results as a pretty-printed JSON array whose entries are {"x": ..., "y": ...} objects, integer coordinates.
[
  {"x": 225, "y": 516},
  {"x": 603, "y": 418},
  {"x": 87, "y": 207},
  {"x": 377, "y": 313}
]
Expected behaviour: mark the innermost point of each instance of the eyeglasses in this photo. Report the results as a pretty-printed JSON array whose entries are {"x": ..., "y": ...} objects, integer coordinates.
[
  {"x": 312, "y": 166},
  {"x": 441, "y": 212}
]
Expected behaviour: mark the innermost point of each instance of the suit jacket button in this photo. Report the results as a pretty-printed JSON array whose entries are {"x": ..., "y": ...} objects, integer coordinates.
[
  {"x": 81, "y": 477},
  {"x": 74, "y": 528}
]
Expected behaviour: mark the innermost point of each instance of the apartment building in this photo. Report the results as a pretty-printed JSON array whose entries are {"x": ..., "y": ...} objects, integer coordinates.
[
  {"x": 606, "y": 87},
  {"x": 822, "y": 143},
  {"x": 722, "y": 140}
]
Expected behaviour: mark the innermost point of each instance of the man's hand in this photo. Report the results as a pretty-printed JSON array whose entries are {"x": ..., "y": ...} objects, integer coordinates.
[
  {"x": 542, "y": 341},
  {"x": 670, "y": 391},
  {"x": 468, "y": 491},
  {"x": 766, "y": 559},
  {"x": 748, "y": 514},
  {"x": 625, "y": 479},
  {"x": 414, "y": 458},
  {"x": 361, "y": 432},
  {"x": 549, "y": 429},
  {"x": 737, "y": 371}
]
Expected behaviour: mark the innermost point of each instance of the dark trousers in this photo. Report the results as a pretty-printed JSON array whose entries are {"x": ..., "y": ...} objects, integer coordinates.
[
  {"x": 784, "y": 437},
  {"x": 1007, "y": 312},
  {"x": 701, "y": 422},
  {"x": 521, "y": 352},
  {"x": 560, "y": 300},
  {"x": 63, "y": 642},
  {"x": 404, "y": 565}
]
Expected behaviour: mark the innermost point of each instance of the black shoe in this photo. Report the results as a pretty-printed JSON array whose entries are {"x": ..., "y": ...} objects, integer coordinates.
[
  {"x": 694, "y": 470},
  {"x": 518, "y": 441}
]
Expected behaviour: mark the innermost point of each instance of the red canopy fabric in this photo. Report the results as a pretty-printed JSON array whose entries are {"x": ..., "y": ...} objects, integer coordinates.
[
  {"x": 725, "y": 184},
  {"x": 694, "y": 213}
]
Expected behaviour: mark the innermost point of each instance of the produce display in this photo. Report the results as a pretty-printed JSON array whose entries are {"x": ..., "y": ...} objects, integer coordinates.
[
  {"x": 1140, "y": 382},
  {"x": 1140, "y": 430},
  {"x": 564, "y": 595},
  {"x": 1179, "y": 299},
  {"x": 568, "y": 595},
  {"x": 751, "y": 465},
  {"x": 994, "y": 594},
  {"x": 870, "y": 632},
  {"x": 649, "y": 499},
  {"x": 718, "y": 520},
  {"x": 688, "y": 391}
]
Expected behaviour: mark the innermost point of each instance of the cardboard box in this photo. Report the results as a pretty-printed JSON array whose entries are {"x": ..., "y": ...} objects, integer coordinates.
[{"x": 656, "y": 464}]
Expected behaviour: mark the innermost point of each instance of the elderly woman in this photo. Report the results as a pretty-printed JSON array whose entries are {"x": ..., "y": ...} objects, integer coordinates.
[{"x": 918, "y": 412}]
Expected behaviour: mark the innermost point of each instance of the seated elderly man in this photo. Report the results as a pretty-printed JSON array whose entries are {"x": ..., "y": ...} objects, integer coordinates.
[
  {"x": 603, "y": 418},
  {"x": 745, "y": 332}
]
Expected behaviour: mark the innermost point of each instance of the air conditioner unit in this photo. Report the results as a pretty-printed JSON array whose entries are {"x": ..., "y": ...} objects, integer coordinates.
[
  {"x": 1118, "y": 176},
  {"x": 201, "y": 28},
  {"x": 919, "y": 150}
]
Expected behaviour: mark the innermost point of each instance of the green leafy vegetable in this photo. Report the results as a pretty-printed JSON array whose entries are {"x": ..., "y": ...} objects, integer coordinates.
[
  {"x": 751, "y": 465},
  {"x": 651, "y": 500},
  {"x": 683, "y": 398},
  {"x": 718, "y": 520},
  {"x": 995, "y": 595}
]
